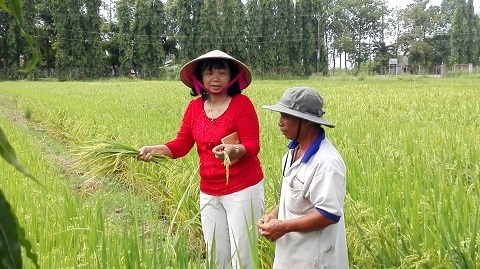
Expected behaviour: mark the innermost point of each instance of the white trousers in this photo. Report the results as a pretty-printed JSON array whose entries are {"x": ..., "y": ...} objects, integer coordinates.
[{"x": 226, "y": 222}]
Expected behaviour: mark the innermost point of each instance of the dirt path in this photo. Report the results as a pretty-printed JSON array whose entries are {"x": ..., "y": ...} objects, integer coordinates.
[{"x": 54, "y": 150}]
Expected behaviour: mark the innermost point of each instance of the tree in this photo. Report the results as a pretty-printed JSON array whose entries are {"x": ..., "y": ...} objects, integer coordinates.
[
  {"x": 11, "y": 55},
  {"x": 109, "y": 32},
  {"x": 187, "y": 17},
  {"x": 125, "y": 15},
  {"x": 381, "y": 55},
  {"x": 15, "y": 51},
  {"x": 275, "y": 29},
  {"x": 363, "y": 21},
  {"x": 13, "y": 15},
  {"x": 149, "y": 31},
  {"x": 45, "y": 30},
  {"x": 421, "y": 24},
  {"x": 79, "y": 53},
  {"x": 341, "y": 42},
  {"x": 472, "y": 36},
  {"x": 478, "y": 37},
  {"x": 91, "y": 25},
  {"x": 447, "y": 9},
  {"x": 322, "y": 53},
  {"x": 69, "y": 50},
  {"x": 222, "y": 26},
  {"x": 210, "y": 29},
  {"x": 307, "y": 25},
  {"x": 419, "y": 20},
  {"x": 458, "y": 41},
  {"x": 254, "y": 24},
  {"x": 234, "y": 33},
  {"x": 420, "y": 55}
]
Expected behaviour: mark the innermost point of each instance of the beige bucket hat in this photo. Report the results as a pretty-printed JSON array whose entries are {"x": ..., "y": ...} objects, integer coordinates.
[{"x": 187, "y": 73}]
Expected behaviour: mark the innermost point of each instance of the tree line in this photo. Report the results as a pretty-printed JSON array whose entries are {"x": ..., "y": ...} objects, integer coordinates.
[{"x": 89, "y": 39}]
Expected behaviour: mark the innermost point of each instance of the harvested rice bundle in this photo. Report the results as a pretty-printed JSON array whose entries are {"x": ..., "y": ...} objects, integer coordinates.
[
  {"x": 226, "y": 162},
  {"x": 106, "y": 157}
]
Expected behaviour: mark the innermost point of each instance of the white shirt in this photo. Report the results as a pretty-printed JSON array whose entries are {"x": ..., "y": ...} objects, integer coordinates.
[{"x": 319, "y": 183}]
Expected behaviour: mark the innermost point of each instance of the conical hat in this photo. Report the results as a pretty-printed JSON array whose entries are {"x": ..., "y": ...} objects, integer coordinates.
[{"x": 188, "y": 70}]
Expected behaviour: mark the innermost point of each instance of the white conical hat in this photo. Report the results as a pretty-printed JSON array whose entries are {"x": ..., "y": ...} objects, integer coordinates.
[{"x": 188, "y": 70}]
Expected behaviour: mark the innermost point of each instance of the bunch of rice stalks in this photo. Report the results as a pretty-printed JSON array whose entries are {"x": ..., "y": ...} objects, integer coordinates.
[
  {"x": 226, "y": 162},
  {"x": 106, "y": 157}
]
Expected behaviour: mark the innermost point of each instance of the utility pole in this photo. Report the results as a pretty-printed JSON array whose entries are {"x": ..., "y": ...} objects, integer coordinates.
[{"x": 318, "y": 42}]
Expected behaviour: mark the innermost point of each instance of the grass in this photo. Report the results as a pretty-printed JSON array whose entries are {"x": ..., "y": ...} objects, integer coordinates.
[{"x": 410, "y": 145}]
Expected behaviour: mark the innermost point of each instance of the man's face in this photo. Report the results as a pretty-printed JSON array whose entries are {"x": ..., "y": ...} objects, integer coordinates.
[{"x": 288, "y": 125}]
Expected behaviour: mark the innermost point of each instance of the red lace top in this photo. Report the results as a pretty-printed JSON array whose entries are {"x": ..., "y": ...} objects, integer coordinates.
[{"x": 197, "y": 128}]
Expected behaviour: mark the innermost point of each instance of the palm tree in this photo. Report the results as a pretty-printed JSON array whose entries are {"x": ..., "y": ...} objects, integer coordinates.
[{"x": 382, "y": 53}]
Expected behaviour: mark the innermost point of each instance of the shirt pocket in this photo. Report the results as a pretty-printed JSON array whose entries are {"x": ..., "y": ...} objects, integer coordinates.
[{"x": 295, "y": 201}]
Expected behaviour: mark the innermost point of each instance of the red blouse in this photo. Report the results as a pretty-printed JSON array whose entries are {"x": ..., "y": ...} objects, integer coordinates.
[{"x": 197, "y": 128}]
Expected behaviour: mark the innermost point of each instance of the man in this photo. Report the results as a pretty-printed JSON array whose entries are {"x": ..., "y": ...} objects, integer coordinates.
[{"x": 307, "y": 224}]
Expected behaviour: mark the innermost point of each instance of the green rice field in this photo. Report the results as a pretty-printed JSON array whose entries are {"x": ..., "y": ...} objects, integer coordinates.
[{"x": 411, "y": 145}]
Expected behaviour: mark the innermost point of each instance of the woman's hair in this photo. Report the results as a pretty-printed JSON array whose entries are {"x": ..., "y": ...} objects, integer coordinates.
[{"x": 213, "y": 64}]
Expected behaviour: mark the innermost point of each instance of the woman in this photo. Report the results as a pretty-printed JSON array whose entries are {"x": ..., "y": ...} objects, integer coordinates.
[{"x": 229, "y": 203}]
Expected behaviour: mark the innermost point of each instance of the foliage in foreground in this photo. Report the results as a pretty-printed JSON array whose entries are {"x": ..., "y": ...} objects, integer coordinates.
[{"x": 12, "y": 235}]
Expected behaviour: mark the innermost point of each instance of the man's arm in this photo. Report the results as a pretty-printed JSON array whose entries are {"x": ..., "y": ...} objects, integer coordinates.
[{"x": 275, "y": 228}]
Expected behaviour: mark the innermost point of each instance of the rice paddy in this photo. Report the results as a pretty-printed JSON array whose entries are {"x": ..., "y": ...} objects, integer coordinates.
[{"x": 410, "y": 144}]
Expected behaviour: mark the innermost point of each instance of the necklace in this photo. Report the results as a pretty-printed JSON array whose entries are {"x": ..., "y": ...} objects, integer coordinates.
[{"x": 213, "y": 116}]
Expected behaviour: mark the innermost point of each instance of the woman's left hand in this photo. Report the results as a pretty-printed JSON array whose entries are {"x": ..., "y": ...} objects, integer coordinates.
[
  {"x": 234, "y": 152},
  {"x": 219, "y": 151}
]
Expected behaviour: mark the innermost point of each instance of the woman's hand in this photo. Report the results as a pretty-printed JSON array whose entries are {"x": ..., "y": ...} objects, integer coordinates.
[
  {"x": 234, "y": 151},
  {"x": 145, "y": 153},
  {"x": 219, "y": 151}
]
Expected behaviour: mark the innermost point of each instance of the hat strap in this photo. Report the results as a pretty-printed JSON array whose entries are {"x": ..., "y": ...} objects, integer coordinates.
[
  {"x": 241, "y": 80},
  {"x": 199, "y": 85}
]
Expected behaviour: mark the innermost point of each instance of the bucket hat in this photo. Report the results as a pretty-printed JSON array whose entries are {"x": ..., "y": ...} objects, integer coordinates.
[
  {"x": 187, "y": 73},
  {"x": 302, "y": 102}
]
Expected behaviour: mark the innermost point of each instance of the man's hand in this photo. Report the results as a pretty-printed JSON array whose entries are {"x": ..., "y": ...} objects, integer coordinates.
[{"x": 272, "y": 229}]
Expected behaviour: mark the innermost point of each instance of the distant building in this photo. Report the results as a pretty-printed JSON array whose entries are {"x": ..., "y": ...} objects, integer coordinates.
[
  {"x": 468, "y": 68},
  {"x": 398, "y": 66}
]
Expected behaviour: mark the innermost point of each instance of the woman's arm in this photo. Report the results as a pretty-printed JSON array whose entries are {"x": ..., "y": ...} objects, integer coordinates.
[{"x": 146, "y": 152}]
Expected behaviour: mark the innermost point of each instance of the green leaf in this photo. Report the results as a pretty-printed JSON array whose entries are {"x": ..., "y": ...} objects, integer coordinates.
[
  {"x": 7, "y": 153},
  {"x": 3, "y": 6},
  {"x": 11, "y": 255},
  {"x": 12, "y": 236},
  {"x": 16, "y": 11},
  {"x": 35, "y": 57},
  {"x": 27, "y": 245}
]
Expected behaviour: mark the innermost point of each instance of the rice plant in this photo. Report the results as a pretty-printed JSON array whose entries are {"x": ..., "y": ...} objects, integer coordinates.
[
  {"x": 107, "y": 157},
  {"x": 411, "y": 148}
]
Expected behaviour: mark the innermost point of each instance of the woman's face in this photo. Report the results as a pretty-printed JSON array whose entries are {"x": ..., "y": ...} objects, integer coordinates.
[{"x": 215, "y": 80}]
